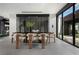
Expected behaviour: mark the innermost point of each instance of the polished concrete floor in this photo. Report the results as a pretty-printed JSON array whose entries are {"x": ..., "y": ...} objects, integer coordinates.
[{"x": 58, "y": 48}]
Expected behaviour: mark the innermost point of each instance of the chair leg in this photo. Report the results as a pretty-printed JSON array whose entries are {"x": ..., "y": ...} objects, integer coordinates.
[
  {"x": 49, "y": 39},
  {"x": 30, "y": 43},
  {"x": 46, "y": 41},
  {"x": 43, "y": 43},
  {"x": 12, "y": 40},
  {"x": 17, "y": 42},
  {"x": 54, "y": 38}
]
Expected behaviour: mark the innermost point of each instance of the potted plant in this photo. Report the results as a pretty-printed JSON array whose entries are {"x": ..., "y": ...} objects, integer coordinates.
[{"x": 30, "y": 24}]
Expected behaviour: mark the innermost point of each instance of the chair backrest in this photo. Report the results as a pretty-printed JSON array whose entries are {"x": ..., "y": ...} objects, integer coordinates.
[
  {"x": 34, "y": 34},
  {"x": 19, "y": 34},
  {"x": 22, "y": 35},
  {"x": 14, "y": 35},
  {"x": 43, "y": 35},
  {"x": 29, "y": 36},
  {"x": 51, "y": 34}
]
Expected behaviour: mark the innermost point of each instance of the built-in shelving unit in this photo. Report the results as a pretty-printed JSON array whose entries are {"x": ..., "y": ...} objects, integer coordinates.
[{"x": 4, "y": 26}]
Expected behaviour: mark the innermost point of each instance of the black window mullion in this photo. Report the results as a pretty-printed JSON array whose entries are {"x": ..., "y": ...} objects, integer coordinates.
[
  {"x": 62, "y": 26},
  {"x": 19, "y": 24},
  {"x": 56, "y": 26},
  {"x": 73, "y": 25}
]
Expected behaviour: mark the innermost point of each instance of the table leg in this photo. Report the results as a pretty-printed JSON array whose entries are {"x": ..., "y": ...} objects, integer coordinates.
[
  {"x": 54, "y": 38},
  {"x": 17, "y": 41},
  {"x": 12, "y": 40},
  {"x": 49, "y": 39}
]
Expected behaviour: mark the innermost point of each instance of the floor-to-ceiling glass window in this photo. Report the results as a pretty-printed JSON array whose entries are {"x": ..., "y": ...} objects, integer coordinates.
[
  {"x": 67, "y": 25},
  {"x": 33, "y": 23},
  {"x": 60, "y": 26},
  {"x": 69, "y": 32},
  {"x": 77, "y": 24}
]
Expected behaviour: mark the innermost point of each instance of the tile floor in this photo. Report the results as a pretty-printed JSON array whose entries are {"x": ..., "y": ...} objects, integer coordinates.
[{"x": 58, "y": 48}]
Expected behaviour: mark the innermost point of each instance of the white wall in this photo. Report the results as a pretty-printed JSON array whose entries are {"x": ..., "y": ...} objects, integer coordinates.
[
  {"x": 12, "y": 24},
  {"x": 52, "y": 21}
]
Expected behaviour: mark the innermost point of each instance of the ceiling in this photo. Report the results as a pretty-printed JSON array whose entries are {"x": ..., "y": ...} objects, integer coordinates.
[{"x": 51, "y": 8}]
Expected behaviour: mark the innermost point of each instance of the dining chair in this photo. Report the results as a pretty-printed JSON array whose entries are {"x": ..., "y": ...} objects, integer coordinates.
[
  {"x": 18, "y": 37},
  {"x": 13, "y": 37},
  {"x": 36, "y": 37},
  {"x": 29, "y": 39},
  {"x": 51, "y": 35},
  {"x": 22, "y": 37},
  {"x": 43, "y": 37}
]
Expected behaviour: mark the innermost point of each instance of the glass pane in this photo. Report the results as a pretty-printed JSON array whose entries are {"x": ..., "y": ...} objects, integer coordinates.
[
  {"x": 77, "y": 24},
  {"x": 33, "y": 23},
  {"x": 76, "y": 7},
  {"x": 68, "y": 12},
  {"x": 67, "y": 25},
  {"x": 60, "y": 26}
]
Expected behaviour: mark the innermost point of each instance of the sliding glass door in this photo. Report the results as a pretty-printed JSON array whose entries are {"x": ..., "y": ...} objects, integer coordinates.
[
  {"x": 77, "y": 24},
  {"x": 67, "y": 25}
]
